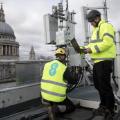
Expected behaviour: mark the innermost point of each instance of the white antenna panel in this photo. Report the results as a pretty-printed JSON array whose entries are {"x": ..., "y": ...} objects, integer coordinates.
[{"x": 51, "y": 27}]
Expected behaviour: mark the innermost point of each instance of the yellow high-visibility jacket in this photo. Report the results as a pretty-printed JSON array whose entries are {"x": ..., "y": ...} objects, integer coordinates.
[
  {"x": 53, "y": 85},
  {"x": 102, "y": 42}
]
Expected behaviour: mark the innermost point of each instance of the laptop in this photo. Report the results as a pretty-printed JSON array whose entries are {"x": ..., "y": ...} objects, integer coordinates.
[{"x": 76, "y": 46}]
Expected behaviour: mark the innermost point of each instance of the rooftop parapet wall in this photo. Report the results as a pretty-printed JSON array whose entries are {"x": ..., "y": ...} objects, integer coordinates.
[
  {"x": 23, "y": 72},
  {"x": 29, "y": 71}
]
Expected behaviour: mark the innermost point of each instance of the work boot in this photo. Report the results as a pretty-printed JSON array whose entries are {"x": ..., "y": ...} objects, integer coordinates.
[
  {"x": 98, "y": 118},
  {"x": 47, "y": 118},
  {"x": 99, "y": 111},
  {"x": 98, "y": 114},
  {"x": 109, "y": 114}
]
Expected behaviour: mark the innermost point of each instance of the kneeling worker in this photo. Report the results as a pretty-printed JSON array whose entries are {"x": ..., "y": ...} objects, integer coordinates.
[{"x": 54, "y": 81}]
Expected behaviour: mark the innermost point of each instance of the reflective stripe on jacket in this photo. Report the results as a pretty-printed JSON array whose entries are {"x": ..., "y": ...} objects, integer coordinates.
[
  {"x": 53, "y": 86},
  {"x": 102, "y": 42}
]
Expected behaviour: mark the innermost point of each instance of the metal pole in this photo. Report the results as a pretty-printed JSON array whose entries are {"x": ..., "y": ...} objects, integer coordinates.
[
  {"x": 66, "y": 5},
  {"x": 105, "y": 10},
  {"x": 117, "y": 61}
]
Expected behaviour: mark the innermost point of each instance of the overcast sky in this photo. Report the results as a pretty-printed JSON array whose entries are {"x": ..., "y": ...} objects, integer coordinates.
[{"x": 26, "y": 19}]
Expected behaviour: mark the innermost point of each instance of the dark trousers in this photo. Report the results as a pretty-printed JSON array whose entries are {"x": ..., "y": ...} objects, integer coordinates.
[
  {"x": 102, "y": 82},
  {"x": 70, "y": 107}
]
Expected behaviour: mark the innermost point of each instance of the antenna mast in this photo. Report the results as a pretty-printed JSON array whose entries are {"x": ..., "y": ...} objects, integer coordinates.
[
  {"x": 105, "y": 10},
  {"x": 66, "y": 5}
]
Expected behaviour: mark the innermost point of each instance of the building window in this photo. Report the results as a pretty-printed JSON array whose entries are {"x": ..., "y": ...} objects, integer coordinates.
[
  {"x": 7, "y": 49},
  {"x": 4, "y": 49}
]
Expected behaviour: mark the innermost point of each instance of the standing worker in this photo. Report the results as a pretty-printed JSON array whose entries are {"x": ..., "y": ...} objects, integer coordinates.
[
  {"x": 103, "y": 52},
  {"x": 54, "y": 81}
]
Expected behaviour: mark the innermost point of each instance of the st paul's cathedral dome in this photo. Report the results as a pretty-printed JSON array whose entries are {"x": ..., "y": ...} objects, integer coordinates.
[{"x": 9, "y": 48}]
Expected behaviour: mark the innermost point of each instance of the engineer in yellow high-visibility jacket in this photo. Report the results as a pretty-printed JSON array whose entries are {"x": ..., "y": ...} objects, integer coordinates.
[
  {"x": 102, "y": 51},
  {"x": 54, "y": 81}
]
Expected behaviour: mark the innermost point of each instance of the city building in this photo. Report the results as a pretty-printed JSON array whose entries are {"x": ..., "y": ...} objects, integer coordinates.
[{"x": 9, "y": 50}]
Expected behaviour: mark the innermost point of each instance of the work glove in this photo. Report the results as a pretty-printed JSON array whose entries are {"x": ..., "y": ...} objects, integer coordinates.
[{"x": 87, "y": 50}]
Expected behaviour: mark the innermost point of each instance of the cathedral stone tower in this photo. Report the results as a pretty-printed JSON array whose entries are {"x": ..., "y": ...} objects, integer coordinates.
[{"x": 9, "y": 48}]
